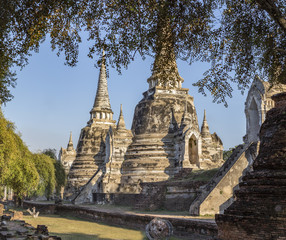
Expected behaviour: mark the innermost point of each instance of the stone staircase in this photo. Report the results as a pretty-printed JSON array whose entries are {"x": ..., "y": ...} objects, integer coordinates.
[
  {"x": 218, "y": 177},
  {"x": 84, "y": 193}
]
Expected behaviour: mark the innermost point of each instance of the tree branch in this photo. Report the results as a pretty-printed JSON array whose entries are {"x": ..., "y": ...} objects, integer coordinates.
[{"x": 273, "y": 11}]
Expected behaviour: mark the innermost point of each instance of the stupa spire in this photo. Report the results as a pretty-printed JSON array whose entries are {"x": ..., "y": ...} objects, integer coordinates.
[
  {"x": 102, "y": 97},
  {"x": 101, "y": 107},
  {"x": 121, "y": 122},
  {"x": 70, "y": 144},
  {"x": 205, "y": 127}
]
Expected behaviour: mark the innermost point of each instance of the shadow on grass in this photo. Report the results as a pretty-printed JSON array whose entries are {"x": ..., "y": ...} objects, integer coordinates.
[{"x": 80, "y": 236}]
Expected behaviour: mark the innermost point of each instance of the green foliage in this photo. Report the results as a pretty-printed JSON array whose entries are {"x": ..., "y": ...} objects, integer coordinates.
[
  {"x": 238, "y": 38},
  {"x": 26, "y": 173},
  {"x": 23, "y": 177},
  {"x": 203, "y": 175},
  {"x": 8, "y": 148},
  {"x": 199, "y": 175},
  {"x": 227, "y": 153},
  {"x": 60, "y": 174},
  {"x": 51, "y": 152},
  {"x": 16, "y": 168},
  {"x": 45, "y": 167},
  {"x": 249, "y": 41}
]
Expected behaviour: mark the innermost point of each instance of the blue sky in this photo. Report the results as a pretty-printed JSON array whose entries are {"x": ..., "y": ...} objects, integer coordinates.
[{"x": 52, "y": 99}]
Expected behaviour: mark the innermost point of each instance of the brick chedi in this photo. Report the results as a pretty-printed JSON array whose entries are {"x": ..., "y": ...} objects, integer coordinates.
[
  {"x": 212, "y": 148},
  {"x": 259, "y": 209},
  {"x": 91, "y": 145},
  {"x": 152, "y": 154},
  {"x": 166, "y": 132},
  {"x": 165, "y": 136},
  {"x": 117, "y": 142}
]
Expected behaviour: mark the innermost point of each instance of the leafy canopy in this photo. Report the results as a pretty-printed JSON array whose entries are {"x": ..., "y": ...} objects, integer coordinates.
[
  {"x": 60, "y": 175},
  {"x": 25, "y": 172},
  {"x": 238, "y": 38}
]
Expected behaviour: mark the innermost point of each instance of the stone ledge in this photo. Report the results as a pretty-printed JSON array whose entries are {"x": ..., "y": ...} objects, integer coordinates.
[{"x": 182, "y": 226}]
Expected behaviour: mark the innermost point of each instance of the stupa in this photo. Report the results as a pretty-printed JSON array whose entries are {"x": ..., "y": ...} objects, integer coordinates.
[
  {"x": 258, "y": 211},
  {"x": 164, "y": 139},
  {"x": 91, "y": 145}
]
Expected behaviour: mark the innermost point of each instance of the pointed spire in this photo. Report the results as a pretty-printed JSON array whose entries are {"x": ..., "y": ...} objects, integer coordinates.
[
  {"x": 102, "y": 98},
  {"x": 70, "y": 144},
  {"x": 205, "y": 127},
  {"x": 121, "y": 122}
]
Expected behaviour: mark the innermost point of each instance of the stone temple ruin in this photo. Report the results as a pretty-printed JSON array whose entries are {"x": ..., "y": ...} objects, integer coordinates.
[
  {"x": 67, "y": 156},
  {"x": 217, "y": 195},
  {"x": 134, "y": 167},
  {"x": 165, "y": 139},
  {"x": 259, "y": 209}
]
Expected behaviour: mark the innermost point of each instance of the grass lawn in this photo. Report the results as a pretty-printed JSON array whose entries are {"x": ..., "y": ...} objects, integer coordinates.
[{"x": 71, "y": 228}]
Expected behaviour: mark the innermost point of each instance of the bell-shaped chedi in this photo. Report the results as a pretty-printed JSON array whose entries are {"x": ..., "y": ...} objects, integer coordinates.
[
  {"x": 91, "y": 144},
  {"x": 153, "y": 156},
  {"x": 259, "y": 210}
]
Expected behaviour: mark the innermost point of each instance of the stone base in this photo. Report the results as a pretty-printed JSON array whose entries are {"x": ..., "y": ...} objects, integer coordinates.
[
  {"x": 259, "y": 209},
  {"x": 245, "y": 227}
]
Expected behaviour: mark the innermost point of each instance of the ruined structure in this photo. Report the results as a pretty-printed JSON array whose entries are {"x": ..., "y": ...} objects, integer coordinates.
[
  {"x": 259, "y": 209},
  {"x": 117, "y": 142},
  {"x": 68, "y": 155},
  {"x": 91, "y": 147},
  {"x": 217, "y": 195},
  {"x": 165, "y": 138},
  {"x": 212, "y": 147}
]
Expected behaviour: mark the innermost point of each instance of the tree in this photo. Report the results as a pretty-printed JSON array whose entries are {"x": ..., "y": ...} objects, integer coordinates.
[
  {"x": 238, "y": 38},
  {"x": 26, "y": 173},
  {"x": 23, "y": 177},
  {"x": 227, "y": 153},
  {"x": 251, "y": 40},
  {"x": 16, "y": 168},
  {"x": 51, "y": 152},
  {"x": 8, "y": 148},
  {"x": 24, "y": 24},
  {"x": 45, "y": 167},
  {"x": 60, "y": 174}
]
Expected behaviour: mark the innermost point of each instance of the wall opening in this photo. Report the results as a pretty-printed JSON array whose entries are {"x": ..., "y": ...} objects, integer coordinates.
[
  {"x": 253, "y": 122},
  {"x": 193, "y": 150}
]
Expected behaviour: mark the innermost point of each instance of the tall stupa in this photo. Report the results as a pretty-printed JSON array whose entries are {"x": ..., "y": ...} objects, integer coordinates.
[{"x": 91, "y": 147}]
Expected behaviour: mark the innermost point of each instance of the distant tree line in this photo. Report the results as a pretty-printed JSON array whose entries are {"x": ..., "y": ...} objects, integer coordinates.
[{"x": 28, "y": 174}]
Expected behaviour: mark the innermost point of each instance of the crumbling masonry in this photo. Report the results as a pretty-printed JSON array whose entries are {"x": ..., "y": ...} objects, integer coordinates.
[{"x": 165, "y": 138}]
